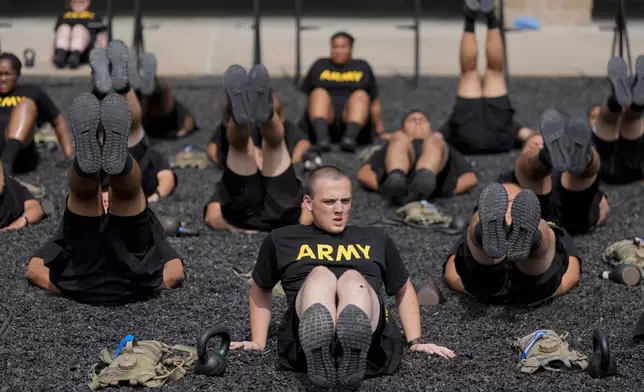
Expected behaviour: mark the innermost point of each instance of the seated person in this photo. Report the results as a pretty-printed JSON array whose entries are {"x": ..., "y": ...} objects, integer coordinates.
[
  {"x": 18, "y": 207},
  {"x": 296, "y": 140},
  {"x": 482, "y": 121},
  {"x": 259, "y": 189},
  {"x": 77, "y": 32},
  {"x": 157, "y": 178},
  {"x": 24, "y": 108},
  {"x": 114, "y": 258},
  {"x": 438, "y": 169},
  {"x": 332, "y": 275},
  {"x": 560, "y": 166},
  {"x": 508, "y": 255},
  {"x": 619, "y": 131},
  {"x": 164, "y": 117},
  {"x": 343, "y": 103}
]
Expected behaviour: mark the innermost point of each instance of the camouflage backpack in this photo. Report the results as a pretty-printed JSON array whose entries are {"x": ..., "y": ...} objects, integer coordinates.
[
  {"x": 629, "y": 251},
  {"x": 146, "y": 363},
  {"x": 190, "y": 158},
  {"x": 422, "y": 213},
  {"x": 46, "y": 138},
  {"x": 278, "y": 291},
  {"x": 546, "y": 349}
]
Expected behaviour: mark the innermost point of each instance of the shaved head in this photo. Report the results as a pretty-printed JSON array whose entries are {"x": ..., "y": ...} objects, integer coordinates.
[{"x": 326, "y": 172}]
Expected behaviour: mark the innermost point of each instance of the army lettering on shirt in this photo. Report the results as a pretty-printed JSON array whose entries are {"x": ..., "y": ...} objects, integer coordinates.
[
  {"x": 289, "y": 254},
  {"x": 47, "y": 110},
  {"x": 341, "y": 80},
  {"x": 89, "y": 19}
]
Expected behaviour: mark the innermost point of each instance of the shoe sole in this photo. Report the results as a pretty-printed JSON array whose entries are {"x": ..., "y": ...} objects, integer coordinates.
[
  {"x": 394, "y": 186},
  {"x": 236, "y": 88},
  {"x": 100, "y": 64},
  {"x": 579, "y": 139},
  {"x": 526, "y": 215},
  {"x": 316, "y": 336},
  {"x": 472, "y": 7},
  {"x": 117, "y": 120},
  {"x": 492, "y": 208},
  {"x": 259, "y": 93},
  {"x": 619, "y": 80},
  {"x": 119, "y": 56},
  {"x": 354, "y": 335},
  {"x": 553, "y": 131},
  {"x": 148, "y": 73},
  {"x": 487, "y": 6},
  {"x": 84, "y": 117},
  {"x": 638, "y": 86}
]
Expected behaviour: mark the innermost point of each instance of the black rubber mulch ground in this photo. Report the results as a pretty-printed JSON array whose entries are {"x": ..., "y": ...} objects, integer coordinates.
[{"x": 52, "y": 342}]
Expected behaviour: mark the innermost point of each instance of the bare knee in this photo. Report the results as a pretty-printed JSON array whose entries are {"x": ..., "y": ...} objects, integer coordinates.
[
  {"x": 63, "y": 31},
  {"x": 173, "y": 274},
  {"x": 26, "y": 107},
  {"x": 466, "y": 182},
  {"x": 604, "y": 208},
  {"x": 322, "y": 274},
  {"x": 360, "y": 95},
  {"x": 214, "y": 218},
  {"x": 318, "y": 94},
  {"x": 352, "y": 280},
  {"x": 452, "y": 277},
  {"x": 79, "y": 30},
  {"x": 36, "y": 268},
  {"x": 400, "y": 138}
]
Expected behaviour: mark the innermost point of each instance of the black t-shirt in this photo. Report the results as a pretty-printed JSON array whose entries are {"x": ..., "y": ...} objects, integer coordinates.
[
  {"x": 290, "y": 253},
  {"x": 341, "y": 80},
  {"x": 12, "y": 201},
  {"x": 91, "y": 20},
  {"x": 47, "y": 110}
]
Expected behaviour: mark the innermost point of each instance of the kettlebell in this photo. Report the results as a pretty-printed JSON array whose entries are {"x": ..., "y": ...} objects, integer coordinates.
[
  {"x": 212, "y": 363},
  {"x": 170, "y": 225},
  {"x": 601, "y": 363},
  {"x": 624, "y": 273},
  {"x": 457, "y": 226},
  {"x": 30, "y": 57}
]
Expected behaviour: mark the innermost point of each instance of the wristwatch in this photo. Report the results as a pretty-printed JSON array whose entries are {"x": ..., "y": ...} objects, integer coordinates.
[
  {"x": 414, "y": 342},
  {"x": 26, "y": 220}
]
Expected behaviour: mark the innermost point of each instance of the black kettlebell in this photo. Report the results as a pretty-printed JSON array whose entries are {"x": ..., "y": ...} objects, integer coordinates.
[
  {"x": 30, "y": 57},
  {"x": 457, "y": 226},
  {"x": 601, "y": 363},
  {"x": 212, "y": 363}
]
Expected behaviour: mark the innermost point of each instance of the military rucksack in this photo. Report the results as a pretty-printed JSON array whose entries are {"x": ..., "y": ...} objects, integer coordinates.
[
  {"x": 546, "y": 349},
  {"x": 628, "y": 251},
  {"x": 146, "y": 363},
  {"x": 423, "y": 214},
  {"x": 190, "y": 158}
]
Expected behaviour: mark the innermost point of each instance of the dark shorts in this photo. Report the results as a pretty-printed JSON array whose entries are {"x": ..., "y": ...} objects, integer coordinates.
[
  {"x": 622, "y": 161},
  {"x": 12, "y": 201},
  {"x": 482, "y": 125},
  {"x": 107, "y": 260},
  {"x": 259, "y": 203},
  {"x": 151, "y": 162},
  {"x": 338, "y": 126},
  {"x": 446, "y": 180},
  {"x": 576, "y": 211},
  {"x": 27, "y": 159},
  {"x": 504, "y": 283},
  {"x": 166, "y": 127},
  {"x": 384, "y": 357}
]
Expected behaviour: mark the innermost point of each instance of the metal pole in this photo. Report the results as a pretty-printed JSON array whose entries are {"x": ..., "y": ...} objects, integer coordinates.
[
  {"x": 298, "y": 41},
  {"x": 257, "y": 8},
  {"x": 627, "y": 42},
  {"x": 138, "y": 29},
  {"x": 110, "y": 16},
  {"x": 417, "y": 12},
  {"x": 506, "y": 68}
]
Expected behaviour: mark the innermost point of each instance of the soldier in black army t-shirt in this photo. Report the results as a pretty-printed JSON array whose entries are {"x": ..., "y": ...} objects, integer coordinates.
[
  {"x": 78, "y": 30},
  {"x": 342, "y": 93},
  {"x": 23, "y": 107},
  {"x": 331, "y": 274}
]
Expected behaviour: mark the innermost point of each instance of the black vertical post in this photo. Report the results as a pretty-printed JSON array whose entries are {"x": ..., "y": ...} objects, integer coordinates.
[
  {"x": 417, "y": 12},
  {"x": 110, "y": 16},
  {"x": 506, "y": 69},
  {"x": 137, "y": 40},
  {"x": 298, "y": 41},
  {"x": 257, "y": 10}
]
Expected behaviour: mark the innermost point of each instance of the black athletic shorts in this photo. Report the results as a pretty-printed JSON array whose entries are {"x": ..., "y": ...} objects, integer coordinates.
[
  {"x": 151, "y": 162},
  {"x": 338, "y": 126},
  {"x": 482, "y": 125},
  {"x": 12, "y": 201},
  {"x": 446, "y": 180},
  {"x": 576, "y": 211},
  {"x": 27, "y": 159},
  {"x": 259, "y": 203},
  {"x": 107, "y": 260},
  {"x": 622, "y": 161},
  {"x": 166, "y": 127},
  {"x": 504, "y": 283},
  {"x": 384, "y": 357}
]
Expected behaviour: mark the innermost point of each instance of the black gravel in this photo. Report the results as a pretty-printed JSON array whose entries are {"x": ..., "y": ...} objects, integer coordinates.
[{"x": 52, "y": 342}]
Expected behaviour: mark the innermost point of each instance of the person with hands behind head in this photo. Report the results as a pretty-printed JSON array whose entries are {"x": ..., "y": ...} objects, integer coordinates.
[{"x": 331, "y": 273}]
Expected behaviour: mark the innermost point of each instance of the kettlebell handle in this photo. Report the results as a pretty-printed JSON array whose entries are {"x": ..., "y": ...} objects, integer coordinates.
[
  {"x": 601, "y": 348},
  {"x": 202, "y": 342}
]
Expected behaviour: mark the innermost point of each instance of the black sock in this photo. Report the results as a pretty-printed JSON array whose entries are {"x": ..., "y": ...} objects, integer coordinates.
[
  {"x": 397, "y": 172},
  {"x": 352, "y": 130},
  {"x": 80, "y": 171},
  {"x": 544, "y": 158},
  {"x": 11, "y": 150},
  {"x": 492, "y": 21},
  {"x": 613, "y": 105},
  {"x": 469, "y": 24},
  {"x": 637, "y": 108},
  {"x": 478, "y": 234},
  {"x": 321, "y": 129},
  {"x": 129, "y": 164}
]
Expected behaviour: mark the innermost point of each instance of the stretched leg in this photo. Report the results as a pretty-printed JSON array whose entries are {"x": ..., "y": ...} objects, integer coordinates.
[
  {"x": 430, "y": 163},
  {"x": 320, "y": 112},
  {"x": 315, "y": 305},
  {"x": 19, "y": 132},
  {"x": 355, "y": 116},
  {"x": 494, "y": 78},
  {"x": 469, "y": 84},
  {"x": 608, "y": 122},
  {"x": 62, "y": 45},
  {"x": 398, "y": 163},
  {"x": 80, "y": 38}
]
